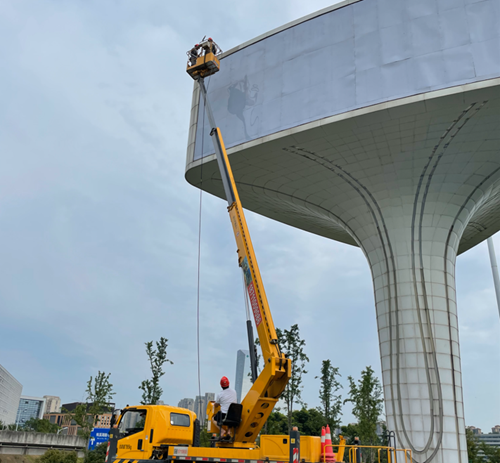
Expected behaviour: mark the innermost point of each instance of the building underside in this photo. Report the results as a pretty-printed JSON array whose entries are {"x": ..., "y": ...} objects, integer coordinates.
[{"x": 296, "y": 178}]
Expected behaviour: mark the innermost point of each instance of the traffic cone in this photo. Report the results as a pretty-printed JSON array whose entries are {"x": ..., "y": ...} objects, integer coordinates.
[
  {"x": 329, "y": 455},
  {"x": 323, "y": 433}
]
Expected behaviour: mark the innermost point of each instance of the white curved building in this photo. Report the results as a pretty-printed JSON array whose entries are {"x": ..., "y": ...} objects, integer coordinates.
[{"x": 376, "y": 123}]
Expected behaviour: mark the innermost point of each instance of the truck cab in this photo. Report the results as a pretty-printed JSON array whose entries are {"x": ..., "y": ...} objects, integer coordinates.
[{"x": 143, "y": 431}]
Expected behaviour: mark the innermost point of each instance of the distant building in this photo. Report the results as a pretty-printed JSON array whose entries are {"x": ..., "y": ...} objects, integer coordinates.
[
  {"x": 52, "y": 404},
  {"x": 104, "y": 421},
  {"x": 200, "y": 405},
  {"x": 243, "y": 379},
  {"x": 474, "y": 430},
  {"x": 29, "y": 407},
  {"x": 64, "y": 421},
  {"x": 186, "y": 403},
  {"x": 10, "y": 393},
  {"x": 492, "y": 439}
]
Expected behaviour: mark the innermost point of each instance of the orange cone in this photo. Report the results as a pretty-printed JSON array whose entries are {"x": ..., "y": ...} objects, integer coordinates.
[
  {"x": 329, "y": 455},
  {"x": 323, "y": 433}
]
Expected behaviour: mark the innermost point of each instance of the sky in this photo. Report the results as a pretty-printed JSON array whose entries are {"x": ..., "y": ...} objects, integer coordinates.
[{"x": 99, "y": 229}]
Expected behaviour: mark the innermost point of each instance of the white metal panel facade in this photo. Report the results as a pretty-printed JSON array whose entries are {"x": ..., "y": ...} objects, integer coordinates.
[
  {"x": 355, "y": 56},
  {"x": 10, "y": 393}
]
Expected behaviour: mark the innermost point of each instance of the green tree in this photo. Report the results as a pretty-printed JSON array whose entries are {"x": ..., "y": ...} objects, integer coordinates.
[
  {"x": 366, "y": 398},
  {"x": 309, "y": 421},
  {"x": 491, "y": 453},
  {"x": 276, "y": 424},
  {"x": 99, "y": 394},
  {"x": 37, "y": 425},
  {"x": 480, "y": 452},
  {"x": 350, "y": 432},
  {"x": 331, "y": 404},
  {"x": 151, "y": 390},
  {"x": 204, "y": 438},
  {"x": 293, "y": 347},
  {"x": 473, "y": 447}
]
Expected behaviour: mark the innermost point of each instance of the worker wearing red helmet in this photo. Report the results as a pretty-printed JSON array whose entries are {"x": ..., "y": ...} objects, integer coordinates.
[
  {"x": 224, "y": 398},
  {"x": 209, "y": 46},
  {"x": 213, "y": 48},
  {"x": 193, "y": 54}
]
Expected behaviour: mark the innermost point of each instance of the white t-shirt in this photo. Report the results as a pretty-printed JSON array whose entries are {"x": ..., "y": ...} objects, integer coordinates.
[{"x": 226, "y": 398}]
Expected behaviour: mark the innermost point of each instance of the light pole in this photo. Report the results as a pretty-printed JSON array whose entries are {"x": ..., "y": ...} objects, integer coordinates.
[
  {"x": 494, "y": 270},
  {"x": 62, "y": 429},
  {"x": 17, "y": 423}
]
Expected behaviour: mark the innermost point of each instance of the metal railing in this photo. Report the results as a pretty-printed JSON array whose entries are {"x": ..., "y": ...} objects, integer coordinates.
[{"x": 392, "y": 452}]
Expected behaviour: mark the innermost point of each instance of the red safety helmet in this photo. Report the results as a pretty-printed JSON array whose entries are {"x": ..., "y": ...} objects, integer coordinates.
[
  {"x": 224, "y": 382},
  {"x": 210, "y": 39}
]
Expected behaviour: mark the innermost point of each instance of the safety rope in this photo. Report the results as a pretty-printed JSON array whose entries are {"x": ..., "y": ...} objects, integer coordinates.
[
  {"x": 198, "y": 303},
  {"x": 199, "y": 268}
]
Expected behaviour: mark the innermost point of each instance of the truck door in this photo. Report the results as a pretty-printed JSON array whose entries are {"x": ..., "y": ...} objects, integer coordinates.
[{"x": 133, "y": 437}]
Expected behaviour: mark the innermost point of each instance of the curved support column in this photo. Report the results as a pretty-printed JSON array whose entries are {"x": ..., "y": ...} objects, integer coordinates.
[
  {"x": 411, "y": 243},
  {"x": 414, "y": 283}
]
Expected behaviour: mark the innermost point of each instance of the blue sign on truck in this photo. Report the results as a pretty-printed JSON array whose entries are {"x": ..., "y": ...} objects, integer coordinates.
[{"x": 98, "y": 436}]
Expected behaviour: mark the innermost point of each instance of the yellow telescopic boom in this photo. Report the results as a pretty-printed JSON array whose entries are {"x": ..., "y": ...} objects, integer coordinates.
[{"x": 268, "y": 386}]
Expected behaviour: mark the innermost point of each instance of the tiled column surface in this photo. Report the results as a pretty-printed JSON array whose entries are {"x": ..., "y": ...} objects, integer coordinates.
[
  {"x": 411, "y": 238},
  {"x": 414, "y": 281},
  {"x": 411, "y": 243}
]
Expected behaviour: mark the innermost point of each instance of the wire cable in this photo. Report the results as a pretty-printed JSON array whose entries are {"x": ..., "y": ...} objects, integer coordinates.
[
  {"x": 198, "y": 303},
  {"x": 199, "y": 269}
]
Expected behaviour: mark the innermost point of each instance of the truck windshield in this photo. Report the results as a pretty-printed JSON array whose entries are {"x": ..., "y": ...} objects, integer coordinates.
[{"x": 132, "y": 421}]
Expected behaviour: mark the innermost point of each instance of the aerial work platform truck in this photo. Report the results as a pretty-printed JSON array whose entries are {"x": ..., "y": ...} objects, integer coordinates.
[{"x": 163, "y": 432}]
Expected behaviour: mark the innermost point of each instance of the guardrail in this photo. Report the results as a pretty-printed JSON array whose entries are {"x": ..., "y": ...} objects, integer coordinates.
[
  {"x": 37, "y": 443},
  {"x": 36, "y": 449},
  {"x": 391, "y": 452}
]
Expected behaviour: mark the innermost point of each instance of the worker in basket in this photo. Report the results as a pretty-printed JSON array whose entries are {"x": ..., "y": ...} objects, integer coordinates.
[
  {"x": 224, "y": 398},
  {"x": 210, "y": 47},
  {"x": 193, "y": 54}
]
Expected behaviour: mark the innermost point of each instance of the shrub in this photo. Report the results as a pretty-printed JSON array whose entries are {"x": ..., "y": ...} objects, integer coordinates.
[
  {"x": 58, "y": 456},
  {"x": 98, "y": 455}
]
